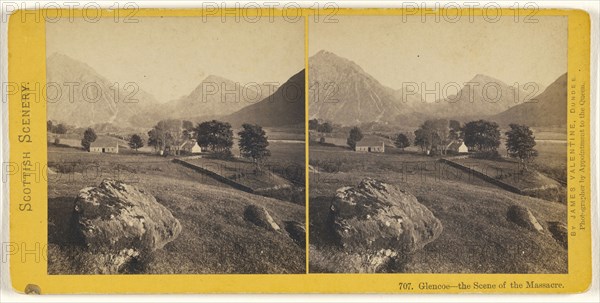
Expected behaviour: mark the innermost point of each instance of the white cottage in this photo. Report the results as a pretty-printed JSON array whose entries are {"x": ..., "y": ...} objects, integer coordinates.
[
  {"x": 105, "y": 145},
  {"x": 457, "y": 147},
  {"x": 370, "y": 145},
  {"x": 190, "y": 147}
]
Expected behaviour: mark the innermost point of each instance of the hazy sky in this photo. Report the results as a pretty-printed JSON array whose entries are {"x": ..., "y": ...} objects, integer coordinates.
[
  {"x": 394, "y": 51},
  {"x": 168, "y": 57}
]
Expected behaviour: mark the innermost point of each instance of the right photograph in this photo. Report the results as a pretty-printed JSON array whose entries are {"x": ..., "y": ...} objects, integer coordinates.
[{"x": 438, "y": 145}]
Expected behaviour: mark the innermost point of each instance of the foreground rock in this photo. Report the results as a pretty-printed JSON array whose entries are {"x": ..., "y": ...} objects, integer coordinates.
[
  {"x": 260, "y": 217},
  {"x": 559, "y": 233},
  {"x": 523, "y": 217},
  {"x": 296, "y": 231},
  {"x": 379, "y": 223},
  {"x": 120, "y": 222}
]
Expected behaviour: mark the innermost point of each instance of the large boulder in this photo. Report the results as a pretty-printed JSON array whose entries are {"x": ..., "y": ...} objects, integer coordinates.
[
  {"x": 259, "y": 216},
  {"x": 379, "y": 222},
  {"x": 122, "y": 222},
  {"x": 523, "y": 217}
]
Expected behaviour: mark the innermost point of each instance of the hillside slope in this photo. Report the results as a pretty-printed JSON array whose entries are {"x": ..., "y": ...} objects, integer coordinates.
[
  {"x": 93, "y": 98},
  {"x": 283, "y": 108},
  {"x": 549, "y": 108}
]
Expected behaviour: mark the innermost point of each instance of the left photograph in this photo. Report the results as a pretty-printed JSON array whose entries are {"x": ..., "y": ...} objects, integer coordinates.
[{"x": 176, "y": 145}]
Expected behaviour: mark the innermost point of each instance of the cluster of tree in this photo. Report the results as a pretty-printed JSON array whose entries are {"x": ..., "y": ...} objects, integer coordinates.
[
  {"x": 217, "y": 136},
  {"x": 435, "y": 135},
  {"x": 56, "y": 129},
  {"x": 324, "y": 127},
  {"x": 168, "y": 135},
  {"x": 482, "y": 135}
]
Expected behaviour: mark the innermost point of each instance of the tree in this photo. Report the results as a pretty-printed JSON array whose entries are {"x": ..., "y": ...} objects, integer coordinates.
[
  {"x": 455, "y": 130},
  {"x": 187, "y": 125},
  {"x": 421, "y": 139},
  {"x": 253, "y": 142},
  {"x": 454, "y": 125},
  {"x": 60, "y": 129},
  {"x": 325, "y": 128},
  {"x": 402, "y": 141},
  {"x": 520, "y": 143},
  {"x": 89, "y": 136},
  {"x": 482, "y": 135},
  {"x": 216, "y": 135},
  {"x": 153, "y": 139},
  {"x": 354, "y": 137},
  {"x": 56, "y": 128},
  {"x": 136, "y": 142},
  {"x": 313, "y": 124}
]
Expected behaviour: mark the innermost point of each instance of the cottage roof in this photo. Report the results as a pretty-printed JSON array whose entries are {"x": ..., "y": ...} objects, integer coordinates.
[
  {"x": 104, "y": 142},
  {"x": 189, "y": 144},
  {"x": 455, "y": 145},
  {"x": 370, "y": 142}
]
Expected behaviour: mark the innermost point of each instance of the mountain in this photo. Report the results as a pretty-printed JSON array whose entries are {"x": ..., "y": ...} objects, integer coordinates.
[
  {"x": 547, "y": 109},
  {"x": 342, "y": 92},
  {"x": 285, "y": 107},
  {"x": 480, "y": 97},
  {"x": 80, "y": 96},
  {"x": 216, "y": 96}
]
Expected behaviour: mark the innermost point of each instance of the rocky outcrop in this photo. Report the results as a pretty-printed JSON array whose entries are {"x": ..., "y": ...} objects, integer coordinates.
[
  {"x": 121, "y": 223},
  {"x": 380, "y": 222},
  {"x": 523, "y": 217},
  {"x": 259, "y": 216}
]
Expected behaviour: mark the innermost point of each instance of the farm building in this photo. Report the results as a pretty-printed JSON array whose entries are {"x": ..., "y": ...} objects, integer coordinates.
[
  {"x": 370, "y": 145},
  {"x": 457, "y": 147},
  {"x": 105, "y": 145},
  {"x": 190, "y": 147}
]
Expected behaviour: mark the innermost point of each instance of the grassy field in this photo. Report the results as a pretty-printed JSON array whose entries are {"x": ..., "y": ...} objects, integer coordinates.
[
  {"x": 242, "y": 172},
  {"x": 215, "y": 238},
  {"x": 477, "y": 237}
]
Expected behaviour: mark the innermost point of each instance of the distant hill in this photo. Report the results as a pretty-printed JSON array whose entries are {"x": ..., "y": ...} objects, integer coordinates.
[
  {"x": 215, "y": 96},
  {"x": 549, "y": 108},
  {"x": 482, "y": 96},
  {"x": 285, "y": 107},
  {"x": 93, "y": 99},
  {"x": 342, "y": 92}
]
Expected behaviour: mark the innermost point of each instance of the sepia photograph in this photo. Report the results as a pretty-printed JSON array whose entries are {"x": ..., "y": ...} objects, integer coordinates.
[
  {"x": 176, "y": 145},
  {"x": 438, "y": 147}
]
